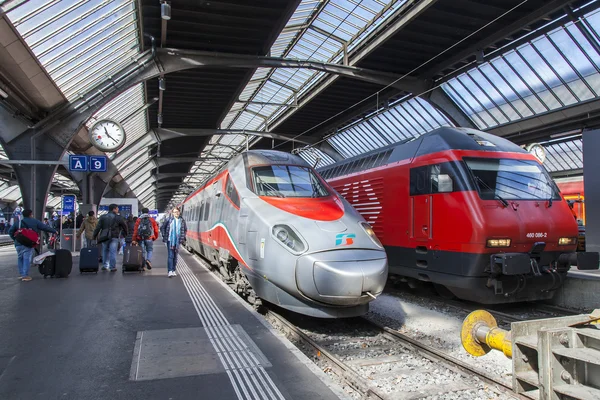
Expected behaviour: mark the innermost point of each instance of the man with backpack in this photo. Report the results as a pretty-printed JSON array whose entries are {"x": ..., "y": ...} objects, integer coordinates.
[
  {"x": 107, "y": 232},
  {"x": 145, "y": 233},
  {"x": 25, "y": 233}
]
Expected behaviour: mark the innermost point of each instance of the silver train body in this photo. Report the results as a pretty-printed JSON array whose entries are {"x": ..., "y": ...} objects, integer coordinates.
[{"x": 296, "y": 243}]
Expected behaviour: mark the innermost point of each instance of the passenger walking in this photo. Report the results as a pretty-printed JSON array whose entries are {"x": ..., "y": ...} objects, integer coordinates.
[
  {"x": 87, "y": 228},
  {"x": 107, "y": 232},
  {"x": 173, "y": 232},
  {"x": 145, "y": 232},
  {"x": 25, "y": 253}
]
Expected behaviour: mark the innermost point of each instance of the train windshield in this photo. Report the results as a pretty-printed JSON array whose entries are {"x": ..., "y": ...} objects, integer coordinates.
[
  {"x": 287, "y": 181},
  {"x": 510, "y": 179}
]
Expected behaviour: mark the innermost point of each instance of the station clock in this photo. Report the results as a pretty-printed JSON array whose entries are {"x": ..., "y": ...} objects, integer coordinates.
[
  {"x": 537, "y": 150},
  {"x": 107, "y": 135}
]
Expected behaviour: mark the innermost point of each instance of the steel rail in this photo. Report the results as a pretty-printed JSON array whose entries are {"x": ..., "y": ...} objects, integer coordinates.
[
  {"x": 449, "y": 361},
  {"x": 342, "y": 370}
]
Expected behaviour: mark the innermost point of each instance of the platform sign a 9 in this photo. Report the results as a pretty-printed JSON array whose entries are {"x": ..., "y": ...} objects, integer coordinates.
[{"x": 97, "y": 164}]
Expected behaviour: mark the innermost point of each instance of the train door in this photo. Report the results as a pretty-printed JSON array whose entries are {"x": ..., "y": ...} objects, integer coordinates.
[
  {"x": 420, "y": 203},
  {"x": 421, "y": 217}
]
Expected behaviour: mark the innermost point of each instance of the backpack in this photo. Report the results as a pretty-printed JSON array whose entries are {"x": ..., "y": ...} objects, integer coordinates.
[
  {"x": 145, "y": 230},
  {"x": 27, "y": 237}
]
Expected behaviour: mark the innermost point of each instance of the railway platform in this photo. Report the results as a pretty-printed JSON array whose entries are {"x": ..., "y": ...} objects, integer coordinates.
[
  {"x": 580, "y": 290},
  {"x": 142, "y": 336}
]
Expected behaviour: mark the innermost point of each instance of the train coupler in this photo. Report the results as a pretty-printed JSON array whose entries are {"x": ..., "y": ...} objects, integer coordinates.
[{"x": 548, "y": 355}]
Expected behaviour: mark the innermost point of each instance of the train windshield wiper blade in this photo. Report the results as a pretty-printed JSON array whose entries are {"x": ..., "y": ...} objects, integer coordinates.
[
  {"x": 278, "y": 193},
  {"x": 502, "y": 200}
]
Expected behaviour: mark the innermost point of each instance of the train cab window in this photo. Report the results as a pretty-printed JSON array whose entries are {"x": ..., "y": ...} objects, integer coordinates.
[
  {"x": 231, "y": 192},
  {"x": 287, "y": 181},
  {"x": 511, "y": 179}
]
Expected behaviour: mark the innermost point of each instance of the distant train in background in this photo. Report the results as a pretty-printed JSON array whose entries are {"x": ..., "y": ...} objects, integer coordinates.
[
  {"x": 573, "y": 192},
  {"x": 276, "y": 231},
  {"x": 473, "y": 213}
]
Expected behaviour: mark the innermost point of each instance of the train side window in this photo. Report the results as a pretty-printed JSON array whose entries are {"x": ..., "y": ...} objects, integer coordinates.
[
  {"x": 419, "y": 182},
  {"x": 206, "y": 210},
  {"x": 442, "y": 178},
  {"x": 201, "y": 212},
  {"x": 231, "y": 192}
]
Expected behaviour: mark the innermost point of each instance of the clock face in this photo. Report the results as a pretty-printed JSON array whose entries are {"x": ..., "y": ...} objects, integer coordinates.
[
  {"x": 107, "y": 135},
  {"x": 538, "y": 151}
]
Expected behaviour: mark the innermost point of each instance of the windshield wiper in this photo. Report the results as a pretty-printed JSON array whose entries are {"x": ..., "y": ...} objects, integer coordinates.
[
  {"x": 278, "y": 193},
  {"x": 550, "y": 200},
  {"x": 502, "y": 200}
]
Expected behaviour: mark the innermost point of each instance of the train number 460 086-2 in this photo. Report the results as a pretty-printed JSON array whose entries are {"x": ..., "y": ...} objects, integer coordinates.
[{"x": 537, "y": 235}]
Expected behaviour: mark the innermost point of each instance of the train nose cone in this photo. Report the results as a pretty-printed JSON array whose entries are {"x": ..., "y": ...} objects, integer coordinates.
[{"x": 342, "y": 277}]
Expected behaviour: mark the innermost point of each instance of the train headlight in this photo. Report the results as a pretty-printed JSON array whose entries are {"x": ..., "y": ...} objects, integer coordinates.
[
  {"x": 566, "y": 241},
  {"x": 369, "y": 231},
  {"x": 289, "y": 238},
  {"x": 498, "y": 243}
]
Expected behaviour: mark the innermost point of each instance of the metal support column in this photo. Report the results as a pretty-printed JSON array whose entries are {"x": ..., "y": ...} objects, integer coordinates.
[{"x": 591, "y": 181}]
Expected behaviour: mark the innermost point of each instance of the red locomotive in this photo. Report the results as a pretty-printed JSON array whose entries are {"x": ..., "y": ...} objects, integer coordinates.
[{"x": 468, "y": 211}]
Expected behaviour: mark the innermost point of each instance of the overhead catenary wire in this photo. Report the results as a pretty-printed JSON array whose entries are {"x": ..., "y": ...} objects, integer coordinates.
[{"x": 376, "y": 94}]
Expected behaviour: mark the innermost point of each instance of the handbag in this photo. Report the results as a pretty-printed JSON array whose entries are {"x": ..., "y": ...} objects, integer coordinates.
[
  {"x": 27, "y": 237},
  {"x": 105, "y": 233}
]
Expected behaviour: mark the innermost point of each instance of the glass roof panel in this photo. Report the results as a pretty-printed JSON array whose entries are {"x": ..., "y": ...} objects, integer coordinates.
[
  {"x": 333, "y": 22},
  {"x": 564, "y": 155},
  {"x": 79, "y": 42},
  {"x": 404, "y": 119},
  {"x": 551, "y": 71}
]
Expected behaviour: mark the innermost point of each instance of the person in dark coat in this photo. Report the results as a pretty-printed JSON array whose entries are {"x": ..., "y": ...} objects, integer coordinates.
[
  {"x": 111, "y": 223},
  {"x": 78, "y": 220},
  {"x": 25, "y": 254},
  {"x": 130, "y": 228}
]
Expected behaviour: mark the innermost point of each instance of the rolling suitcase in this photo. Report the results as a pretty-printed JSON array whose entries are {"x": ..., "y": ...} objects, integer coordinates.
[
  {"x": 46, "y": 268},
  {"x": 88, "y": 260},
  {"x": 63, "y": 263},
  {"x": 132, "y": 258}
]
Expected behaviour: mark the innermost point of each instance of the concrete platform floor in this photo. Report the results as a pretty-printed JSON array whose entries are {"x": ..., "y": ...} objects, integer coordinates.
[{"x": 141, "y": 336}]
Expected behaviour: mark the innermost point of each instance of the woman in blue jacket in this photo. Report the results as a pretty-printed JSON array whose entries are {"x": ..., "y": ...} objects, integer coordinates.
[{"x": 173, "y": 232}]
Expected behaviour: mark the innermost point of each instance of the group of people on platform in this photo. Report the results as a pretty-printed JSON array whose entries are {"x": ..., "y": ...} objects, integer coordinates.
[{"x": 113, "y": 232}]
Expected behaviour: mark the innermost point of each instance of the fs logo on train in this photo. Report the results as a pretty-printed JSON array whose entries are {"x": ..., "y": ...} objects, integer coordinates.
[{"x": 344, "y": 239}]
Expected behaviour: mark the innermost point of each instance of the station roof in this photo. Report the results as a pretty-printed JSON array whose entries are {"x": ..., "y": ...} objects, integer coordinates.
[{"x": 519, "y": 69}]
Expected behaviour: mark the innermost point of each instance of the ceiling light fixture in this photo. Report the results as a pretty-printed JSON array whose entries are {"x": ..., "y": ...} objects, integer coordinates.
[
  {"x": 165, "y": 11},
  {"x": 162, "y": 84},
  {"x": 3, "y": 94}
]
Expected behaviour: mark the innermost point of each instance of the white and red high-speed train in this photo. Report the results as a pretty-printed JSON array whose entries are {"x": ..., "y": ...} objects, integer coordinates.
[{"x": 278, "y": 232}]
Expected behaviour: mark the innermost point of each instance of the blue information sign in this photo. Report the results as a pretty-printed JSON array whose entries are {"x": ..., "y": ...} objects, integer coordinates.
[
  {"x": 78, "y": 163},
  {"x": 98, "y": 163},
  {"x": 68, "y": 204},
  {"x": 153, "y": 214}
]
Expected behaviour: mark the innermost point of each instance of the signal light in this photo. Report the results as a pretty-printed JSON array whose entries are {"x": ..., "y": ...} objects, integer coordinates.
[
  {"x": 288, "y": 237},
  {"x": 565, "y": 241},
  {"x": 369, "y": 231},
  {"x": 498, "y": 242}
]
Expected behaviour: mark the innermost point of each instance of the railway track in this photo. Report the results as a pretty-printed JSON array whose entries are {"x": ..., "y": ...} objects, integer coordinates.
[
  {"x": 378, "y": 362},
  {"x": 505, "y": 313}
]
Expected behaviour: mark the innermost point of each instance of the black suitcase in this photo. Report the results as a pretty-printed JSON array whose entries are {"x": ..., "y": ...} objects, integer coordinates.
[
  {"x": 88, "y": 260},
  {"x": 63, "y": 263},
  {"x": 46, "y": 268},
  {"x": 132, "y": 258}
]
